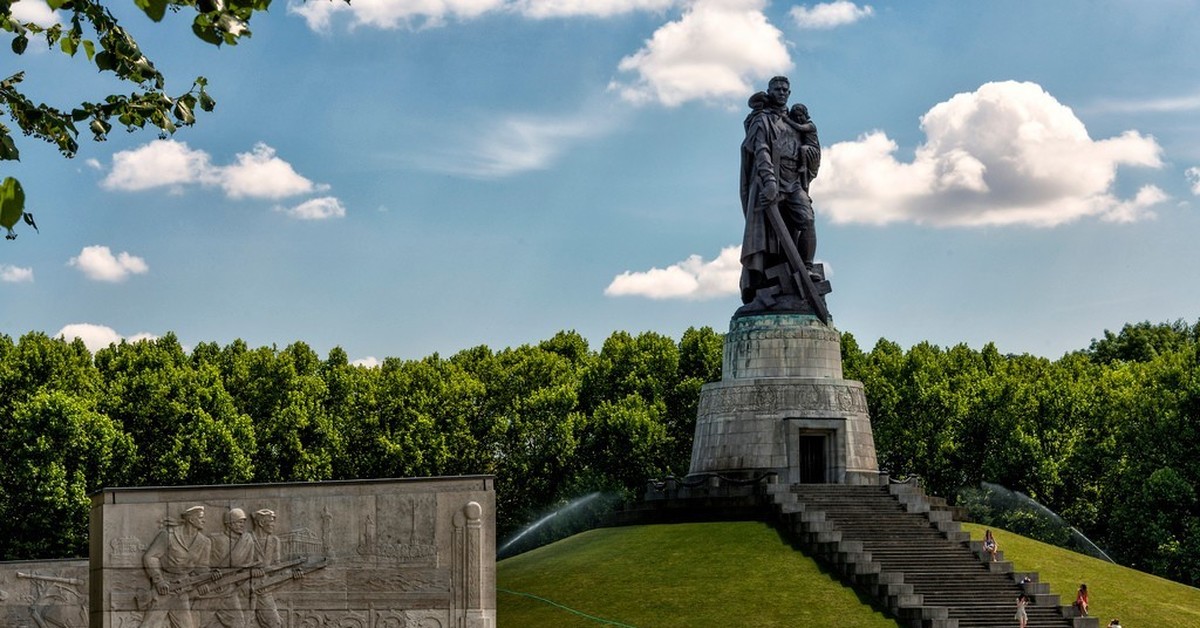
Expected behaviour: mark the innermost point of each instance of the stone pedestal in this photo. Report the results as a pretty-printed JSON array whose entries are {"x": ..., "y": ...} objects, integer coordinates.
[{"x": 783, "y": 406}]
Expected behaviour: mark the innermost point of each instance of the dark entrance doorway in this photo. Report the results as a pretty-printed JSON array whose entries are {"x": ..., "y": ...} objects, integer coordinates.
[{"x": 812, "y": 458}]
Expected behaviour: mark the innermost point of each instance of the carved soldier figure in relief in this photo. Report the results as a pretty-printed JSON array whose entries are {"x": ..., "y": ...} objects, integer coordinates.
[
  {"x": 176, "y": 564},
  {"x": 780, "y": 156},
  {"x": 232, "y": 556},
  {"x": 267, "y": 554}
]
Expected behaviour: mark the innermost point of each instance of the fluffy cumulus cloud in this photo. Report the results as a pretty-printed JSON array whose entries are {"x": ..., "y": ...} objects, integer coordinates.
[
  {"x": 36, "y": 11},
  {"x": 692, "y": 279},
  {"x": 541, "y": 9},
  {"x": 369, "y": 362},
  {"x": 159, "y": 164},
  {"x": 98, "y": 263},
  {"x": 259, "y": 174},
  {"x": 389, "y": 14},
  {"x": 315, "y": 209},
  {"x": 1006, "y": 154},
  {"x": 416, "y": 14},
  {"x": 15, "y": 274},
  {"x": 711, "y": 53},
  {"x": 96, "y": 337},
  {"x": 829, "y": 14}
]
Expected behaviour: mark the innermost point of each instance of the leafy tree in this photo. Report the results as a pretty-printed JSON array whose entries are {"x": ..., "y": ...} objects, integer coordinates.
[
  {"x": 284, "y": 393},
  {"x": 93, "y": 30},
  {"x": 185, "y": 424},
  {"x": 700, "y": 352},
  {"x": 57, "y": 450},
  {"x": 1141, "y": 342}
]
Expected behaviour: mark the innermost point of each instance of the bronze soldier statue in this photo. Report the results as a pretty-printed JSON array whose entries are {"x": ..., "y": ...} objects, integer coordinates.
[{"x": 780, "y": 157}]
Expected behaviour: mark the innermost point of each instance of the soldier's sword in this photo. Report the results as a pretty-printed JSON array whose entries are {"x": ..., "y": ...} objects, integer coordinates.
[{"x": 800, "y": 271}]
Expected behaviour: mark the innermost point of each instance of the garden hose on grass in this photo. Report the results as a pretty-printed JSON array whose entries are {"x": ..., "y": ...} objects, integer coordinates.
[{"x": 566, "y": 608}]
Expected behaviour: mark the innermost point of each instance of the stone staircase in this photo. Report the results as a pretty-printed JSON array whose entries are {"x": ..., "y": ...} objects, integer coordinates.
[{"x": 902, "y": 548}]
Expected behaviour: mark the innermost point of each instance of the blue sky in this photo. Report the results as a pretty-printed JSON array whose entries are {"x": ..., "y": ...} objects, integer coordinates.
[{"x": 403, "y": 177}]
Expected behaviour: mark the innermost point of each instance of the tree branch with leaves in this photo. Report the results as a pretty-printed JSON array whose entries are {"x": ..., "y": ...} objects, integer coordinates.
[{"x": 92, "y": 29}]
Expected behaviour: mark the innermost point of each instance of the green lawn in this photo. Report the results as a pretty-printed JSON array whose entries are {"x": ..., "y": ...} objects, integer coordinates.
[
  {"x": 742, "y": 574},
  {"x": 686, "y": 576},
  {"x": 1138, "y": 599}
]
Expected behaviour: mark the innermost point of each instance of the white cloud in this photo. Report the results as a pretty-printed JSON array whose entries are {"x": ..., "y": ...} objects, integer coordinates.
[
  {"x": 315, "y": 209},
  {"x": 96, "y": 337},
  {"x": 1005, "y": 154},
  {"x": 390, "y": 14},
  {"x": 1168, "y": 104},
  {"x": 1193, "y": 175},
  {"x": 160, "y": 163},
  {"x": 99, "y": 264},
  {"x": 369, "y": 362},
  {"x": 541, "y": 9},
  {"x": 93, "y": 163},
  {"x": 15, "y": 274},
  {"x": 829, "y": 14},
  {"x": 36, "y": 11},
  {"x": 516, "y": 144},
  {"x": 692, "y": 279},
  {"x": 710, "y": 53},
  {"x": 261, "y": 174}
]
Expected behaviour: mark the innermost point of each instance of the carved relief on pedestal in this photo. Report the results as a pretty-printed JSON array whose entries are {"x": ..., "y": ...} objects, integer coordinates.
[{"x": 785, "y": 396}]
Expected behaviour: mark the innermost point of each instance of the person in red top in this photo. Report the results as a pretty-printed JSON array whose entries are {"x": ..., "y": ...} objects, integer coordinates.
[{"x": 1081, "y": 600}]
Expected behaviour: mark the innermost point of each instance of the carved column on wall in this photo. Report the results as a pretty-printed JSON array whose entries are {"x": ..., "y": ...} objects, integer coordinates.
[{"x": 467, "y": 570}]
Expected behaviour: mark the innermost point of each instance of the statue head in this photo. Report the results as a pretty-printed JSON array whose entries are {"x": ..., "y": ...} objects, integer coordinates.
[
  {"x": 194, "y": 517},
  {"x": 235, "y": 520},
  {"x": 264, "y": 519},
  {"x": 800, "y": 113},
  {"x": 778, "y": 90}
]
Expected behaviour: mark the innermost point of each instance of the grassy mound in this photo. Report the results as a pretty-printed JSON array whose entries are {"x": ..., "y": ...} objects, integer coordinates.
[
  {"x": 743, "y": 574},
  {"x": 1138, "y": 599},
  {"x": 685, "y": 576}
]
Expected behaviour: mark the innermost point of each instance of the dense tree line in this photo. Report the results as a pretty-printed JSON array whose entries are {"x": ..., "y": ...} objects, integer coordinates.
[
  {"x": 1106, "y": 436},
  {"x": 552, "y": 421}
]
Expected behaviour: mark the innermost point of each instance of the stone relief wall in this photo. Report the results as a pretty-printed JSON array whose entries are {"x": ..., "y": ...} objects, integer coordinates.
[
  {"x": 44, "y": 594},
  {"x": 370, "y": 554}
]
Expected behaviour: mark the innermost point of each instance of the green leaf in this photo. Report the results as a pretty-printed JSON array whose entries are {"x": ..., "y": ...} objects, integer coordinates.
[
  {"x": 69, "y": 46},
  {"x": 89, "y": 48},
  {"x": 183, "y": 113},
  {"x": 154, "y": 9},
  {"x": 203, "y": 30},
  {"x": 56, "y": 4},
  {"x": 19, "y": 44},
  {"x": 106, "y": 61},
  {"x": 12, "y": 203},
  {"x": 206, "y": 102},
  {"x": 8, "y": 150},
  {"x": 100, "y": 129}
]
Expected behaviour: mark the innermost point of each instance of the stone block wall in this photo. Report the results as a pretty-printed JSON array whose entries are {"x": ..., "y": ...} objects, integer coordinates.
[{"x": 362, "y": 554}]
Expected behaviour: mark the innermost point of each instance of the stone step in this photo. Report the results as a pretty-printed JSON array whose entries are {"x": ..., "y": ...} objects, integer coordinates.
[{"x": 905, "y": 550}]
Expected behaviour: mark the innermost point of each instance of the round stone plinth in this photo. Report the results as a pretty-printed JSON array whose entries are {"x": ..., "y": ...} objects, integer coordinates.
[
  {"x": 781, "y": 345},
  {"x": 783, "y": 406}
]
